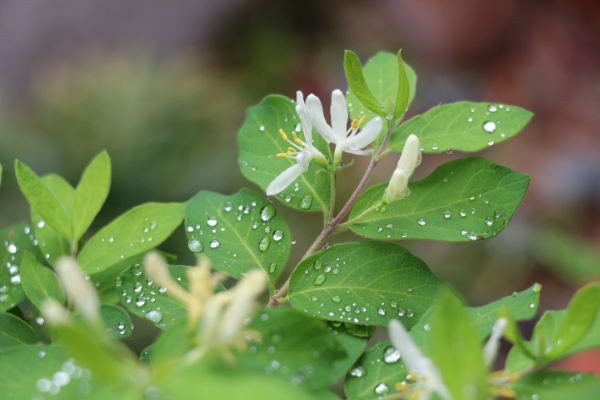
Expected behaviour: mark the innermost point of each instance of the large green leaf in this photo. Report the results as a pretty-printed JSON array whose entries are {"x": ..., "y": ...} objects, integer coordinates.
[
  {"x": 238, "y": 232},
  {"x": 456, "y": 349},
  {"x": 142, "y": 297},
  {"x": 463, "y": 126},
  {"x": 376, "y": 373},
  {"x": 90, "y": 194},
  {"x": 39, "y": 282},
  {"x": 42, "y": 200},
  {"x": 299, "y": 348},
  {"x": 16, "y": 240},
  {"x": 557, "y": 385},
  {"x": 462, "y": 200},
  {"x": 358, "y": 85},
  {"x": 138, "y": 230},
  {"x": 51, "y": 243},
  {"x": 363, "y": 283},
  {"x": 116, "y": 321},
  {"x": 381, "y": 75},
  {"x": 259, "y": 142},
  {"x": 15, "y": 332}
]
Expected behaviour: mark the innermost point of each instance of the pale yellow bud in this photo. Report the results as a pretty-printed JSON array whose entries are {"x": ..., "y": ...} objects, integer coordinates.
[
  {"x": 79, "y": 289},
  {"x": 409, "y": 160},
  {"x": 54, "y": 312}
]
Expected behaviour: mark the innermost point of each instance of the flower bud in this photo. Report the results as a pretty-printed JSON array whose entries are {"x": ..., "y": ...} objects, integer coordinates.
[
  {"x": 409, "y": 160},
  {"x": 79, "y": 289},
  {"x": 157, "y": 269},
  {"x": 54, "y": 312}
]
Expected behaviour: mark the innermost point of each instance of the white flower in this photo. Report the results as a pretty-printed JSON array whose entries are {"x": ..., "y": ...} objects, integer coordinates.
[
  {"x": 349, "y": 140},
  {"x": 490, "y": 349},
  {"x": 79, "y": 289},
  {"x": 409, "y": 160},
  {"x": 301, "y": 151},
  {"x": 429, "y": 379}
]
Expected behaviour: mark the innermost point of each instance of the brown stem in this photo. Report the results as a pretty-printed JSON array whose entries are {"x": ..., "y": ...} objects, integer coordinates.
[{"x": 330, "y": 227}]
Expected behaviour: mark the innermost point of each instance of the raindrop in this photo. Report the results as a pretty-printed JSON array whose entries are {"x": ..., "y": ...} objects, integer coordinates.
[
  {"x": 391, "y": 355},
  {"x": 277, "y": 235},
  {"x": 358, "y": 372},
  {"x": 492, "y": 108},
  {"x": 380, "y": 389},
  {"x": 267, "y": 212},
  {"x": 421, "y": 222},
  {"x": 214, "y": 244},
  {"x": 12, "y": 248},
  {"x": 381, "y": 311},
  {"x": 447, "y": 214},
  {"x": 319, "y": 279},
  {"x": 317, "y": 265},
  {"x": 272, "y": 268},
  {"x": 263, "y": 244},
  {"x": 262, "y": 128},
  {"x": 212, "y": 221},
  {"x": 41, "y": 224},
  {"x": 306, "y": 202},
  {"x": 489, "y": 126},
  {"x": 336, "y": 299},
  {"x": 195, "y": 246},
  {"x": 154, "y": 316}
]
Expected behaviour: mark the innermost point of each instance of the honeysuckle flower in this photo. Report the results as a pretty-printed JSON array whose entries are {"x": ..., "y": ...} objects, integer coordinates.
[
  {"x": 54, "y": 312},
  {"x": 428, "y": 377},
  {"x": 302, "y": 151},
  {"x": 218, "y": 318},
  {"x": 80, "y": 290},
  {"x": 490, "y": 350},
  {"x": 409, "y": 160},
  {"x": 349, "y": 140}
]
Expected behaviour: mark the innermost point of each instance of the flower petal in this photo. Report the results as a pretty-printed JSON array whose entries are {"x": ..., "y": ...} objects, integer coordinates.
[
  {"x": 317, "y": 117},
  {"x": 306, "y": 124},
  {"x": 490, "y": 349},
  {"x": 339, "y": 115},
  {"x": 366, "y": 135},
  {"x": 284, "y": 179}
]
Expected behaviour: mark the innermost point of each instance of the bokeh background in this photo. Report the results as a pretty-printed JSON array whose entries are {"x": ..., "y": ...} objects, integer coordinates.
[{"x": 163, "y": 86}]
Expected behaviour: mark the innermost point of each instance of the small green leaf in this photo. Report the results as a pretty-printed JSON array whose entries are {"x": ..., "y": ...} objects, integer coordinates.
[
  {"x": 259, "y": 142},
  {"x": 90, "y": 194},
  {"x": 462, "y": 126},
  {"x": 376, "y": 373},
  {"x": 456, "y": 349},
  {"x": 462, "y": 200},
  {"x": 15, "y": 332},
  {"x": 138, "y": 230},
  {"x": 366, "y": 283},
  {"x": 142, "y": 297},
  {"x": 295, "y": 346},
  {"x": 39, "y": 282},
  {"x": 238, "y": 232},
  {"x": 51, "y": 243},
  {"x": 381, "y": 75},
  {"x": 42, "y": 200},
  {"x": 557, "y": 385},
  {"x": 117, "y": 322},
  {"x": 354, "y": 340},
  {"x": 403, "y": 94},
  {"x": 358, "y": 85}
]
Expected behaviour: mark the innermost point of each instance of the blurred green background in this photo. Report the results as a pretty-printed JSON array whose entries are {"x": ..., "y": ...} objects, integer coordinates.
[{"x": 164, "y": 85}]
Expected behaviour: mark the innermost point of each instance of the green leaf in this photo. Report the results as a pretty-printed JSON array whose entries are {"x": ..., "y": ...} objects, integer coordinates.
[
  {"x": 376, "y": 373},
  {"x": 520, "y": 306},
  {"x": 403, "y": 94},
  {"x": 50, "y": 242},
  {"x": 30, "y": 372},
  {"x": 142, "y": 297},
  {"x": 559, "y": 334},
  {"x": 238, "y": 232},
  {"x": 382, "y": 75},
  {"x": 15, "y": 241},
  {"x": 456, "y": 349},
  {"x": 117, "y": 322},
  {"x": 462, "y": 126},
  {"x": 357, "y": 83},
  {"x": 15, "y": 332},
  {"x": 42, "y": 200},
  {"x": 39, "y": 282},
  {"x": 138, "y": 230},
  {"x": 574, "y": 259},
  {"x": 366, "y": 283},
  {"x": 557, "y": 385},
  {"x": 259, "y": 142},
  {"x": 299, "y": 348},
  {"x": 462, "y": 200},
  {"x": 354, "y": 340},
  {"x": 90, "y": 194}
]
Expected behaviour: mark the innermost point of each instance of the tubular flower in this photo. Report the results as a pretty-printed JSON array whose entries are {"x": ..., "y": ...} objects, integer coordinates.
[
  {"x": 302, "y": 151},
  {"x": 349, "y": 140},
  {"x": 428, "y": 378},
  {"x": 409, "y": 160},
  {"x": 79, "y": 289},
  {"x": 490, "y": 350}
]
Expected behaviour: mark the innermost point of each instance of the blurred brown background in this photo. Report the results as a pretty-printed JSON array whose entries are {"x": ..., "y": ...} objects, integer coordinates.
[{"x": 163, "y": 86}]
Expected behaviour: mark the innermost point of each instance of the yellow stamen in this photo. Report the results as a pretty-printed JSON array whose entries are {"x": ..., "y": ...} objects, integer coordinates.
[
  {"x": 503, "y": 392},
  {"x": 402, "y": 386},
  {"x": 281, "y": 155},
  {"x": 291, "y": 150},
  {"x": 283, "y": 135},
  {"x": 356, "y": 123},
  {"x": 296, "y": 139}
]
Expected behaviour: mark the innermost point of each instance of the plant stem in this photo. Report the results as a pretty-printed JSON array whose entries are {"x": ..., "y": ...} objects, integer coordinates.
[{"x": 331, "y": 226}]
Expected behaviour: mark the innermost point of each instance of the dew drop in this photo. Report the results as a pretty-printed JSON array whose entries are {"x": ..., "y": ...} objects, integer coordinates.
[
  {"x": 267, "y": 212},
  {"x": 380, "y": 389},
  {"x": 195, "y": 246},
  {"x": 358, "y": 372},
  {"x": 447, "y": 214},
  {"x": 272, "y": 268},
  {"x": 381, "y": 311},
  {"x": 212, "y": 221},
  {"x": 421, "y": 222},
  {"x": 319, "y": 279},
  {"x": 154, "y": 316},
  {"x": 214, "y": 244},
  {"x": 277, "y": 235},
  {"x": 489, "y": 126},
  {"x": 336, "y": 299},
  {"x": 391, "y": 355},
  {"x": 492, "y": 108},
  {"x": 263, "y": 244},
  {"x": 306, "y": 202}
]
